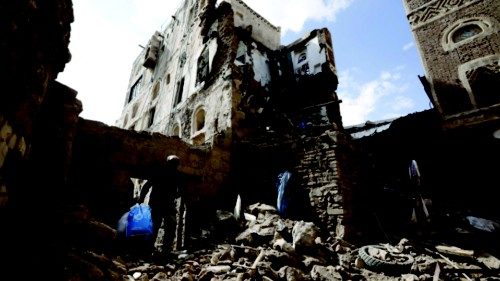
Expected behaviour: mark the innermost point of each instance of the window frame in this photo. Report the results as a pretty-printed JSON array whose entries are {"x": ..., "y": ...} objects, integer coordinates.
[{"x": 487, "y": 25}]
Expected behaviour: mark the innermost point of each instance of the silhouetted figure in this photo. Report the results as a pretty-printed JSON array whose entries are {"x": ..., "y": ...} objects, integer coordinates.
[
  {"x": 420, "y": 212},
  {"x": 164, "y": 184}
]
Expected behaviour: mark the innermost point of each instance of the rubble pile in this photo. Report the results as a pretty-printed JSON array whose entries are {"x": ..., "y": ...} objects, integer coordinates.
[{"x": 268, "y": 247}]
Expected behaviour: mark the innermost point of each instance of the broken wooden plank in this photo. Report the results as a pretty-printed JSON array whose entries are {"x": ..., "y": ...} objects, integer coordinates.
[
  {"x": 454, "y": 265},
  {"x": 456, "y": 251},
  {"x": 258, "y": 259}
]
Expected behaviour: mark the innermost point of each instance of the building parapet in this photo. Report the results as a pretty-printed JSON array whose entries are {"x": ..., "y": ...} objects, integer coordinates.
[{"x": 277, "y": 28}]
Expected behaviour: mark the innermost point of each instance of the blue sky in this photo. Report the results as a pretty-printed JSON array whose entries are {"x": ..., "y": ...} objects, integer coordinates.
[{"x": 376, "y": 59}]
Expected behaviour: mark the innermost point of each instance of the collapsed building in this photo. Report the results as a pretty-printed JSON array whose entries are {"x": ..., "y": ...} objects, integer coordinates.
[
  {"x": 242, "y": 108},
  {"x": 218, "y": 75},
  {"x": 217, "y": 88}
]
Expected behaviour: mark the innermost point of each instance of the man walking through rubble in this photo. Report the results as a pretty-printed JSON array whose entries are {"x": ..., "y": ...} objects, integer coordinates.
[{"x": 164, "y": 183}]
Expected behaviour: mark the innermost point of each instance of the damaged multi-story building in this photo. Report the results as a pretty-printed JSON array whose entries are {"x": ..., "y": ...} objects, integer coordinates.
[
  {"x": 219, "y": 68},
  {"x": 217, "y": 75},
  {"x": 217, "y": 89}
]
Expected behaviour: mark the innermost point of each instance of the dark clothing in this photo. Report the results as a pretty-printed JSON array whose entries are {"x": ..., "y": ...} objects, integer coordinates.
[
  {"x": 164, "y": 191},
  {"x": 162, "y": 202}
]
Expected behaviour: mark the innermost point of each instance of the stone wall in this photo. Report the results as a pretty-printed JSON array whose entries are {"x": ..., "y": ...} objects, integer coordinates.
[
  {"x": 323, "y": 175},
  {"x": 450, "y": 63},
  {"x": 106, "y": 157},
  {"x": 325, "y": 171}
]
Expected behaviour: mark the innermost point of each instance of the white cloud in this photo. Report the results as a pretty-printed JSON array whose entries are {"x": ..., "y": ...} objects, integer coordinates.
[
  {"x": 408, "y": 46},
  {"x": 378, "y": 98},
  {"x": 292, "y": 14},
  {"x": 152, "y": 15},
  {"x": 106, "y": 34},
  {"x": 402, "y": 103}
]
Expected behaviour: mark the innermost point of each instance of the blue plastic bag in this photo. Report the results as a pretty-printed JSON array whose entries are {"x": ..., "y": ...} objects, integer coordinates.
[
  {"x": 139, "y": 221},
  {"x": 122, "y": 224},
  {"x": 281, "y": 184}
]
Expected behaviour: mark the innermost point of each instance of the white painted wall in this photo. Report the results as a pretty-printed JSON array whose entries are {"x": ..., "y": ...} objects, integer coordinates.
[
  {"x": 315, "y": 56},
  {"x": 262, "y": 30},
  {"x": 261, "y": 70},
  {"x": 180, "y": 36}
]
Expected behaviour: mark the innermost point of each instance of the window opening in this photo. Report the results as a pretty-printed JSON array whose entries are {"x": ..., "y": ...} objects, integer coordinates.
[
  {"x": 202, "y": 66},
  {"x": 134, "y": 90},
  {"x": 156, "y": 89},
  {"x": 484, "y": 83},
  {"x": 304, "y": 70},
  {"x": 302, "y": 58},
  {"x": 465, "y": 32},
  {"x": 199, "y": 121},
  {"x": 180, "y": 89},
  {"x": 151, "y": 120},
  {"x": 176, "y": 131},
  {"x": 134, "y": 110}
]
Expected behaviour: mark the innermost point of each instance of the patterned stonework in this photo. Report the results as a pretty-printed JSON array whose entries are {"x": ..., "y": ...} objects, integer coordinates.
[{"x": 434, "y": 10}]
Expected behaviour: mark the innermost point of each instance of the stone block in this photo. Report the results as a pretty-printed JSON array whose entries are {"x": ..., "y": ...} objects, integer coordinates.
[
  {"x": 4, "y": 149},
  {"x": 5, "y": 132},
  {"x": 335, "y": 212},
  {"x": 12, "y": 141},
  {"x": 21, "y": 146}
]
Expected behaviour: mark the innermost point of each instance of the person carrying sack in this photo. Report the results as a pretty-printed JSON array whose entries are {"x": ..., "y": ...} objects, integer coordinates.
[{"x": 164, "y": 189}]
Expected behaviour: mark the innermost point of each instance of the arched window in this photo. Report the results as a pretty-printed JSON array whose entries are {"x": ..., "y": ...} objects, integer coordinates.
[
  {"x": 199, "y": 119},
  {"x": 176, "y": 131},
  {"x": 481, "y": 77},
  {"x": 465, "y": 32},
  {"x": 198, "y": 126},
  {"x": 484, "y": 83}
]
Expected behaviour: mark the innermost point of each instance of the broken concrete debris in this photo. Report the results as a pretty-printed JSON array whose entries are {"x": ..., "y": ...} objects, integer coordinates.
[
  {"x": 276, "y": 258},
  {"x": 217, "y": 89}
]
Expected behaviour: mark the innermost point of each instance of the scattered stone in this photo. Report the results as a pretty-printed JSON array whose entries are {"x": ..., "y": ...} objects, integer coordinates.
[
  {"x": 490, "y": 261},
  {"x": 290, "y": 274},
  {"x": 409, "y": 277},
  {"x": 283, "y": 245},
  {"x": 264, "y": 253},
  {"x": 218, "y": 269},
  {"x": 340, "y": 249},
  {"x": 309, "y": 262},
  {"x": 249, "y": 217},
  {"x": 187, "y": 277},
  {"x": 304, "y": 235},
  {"x": 359, "y": 263},
  {"x": 322, "y": 273},
  {"x": 162, "y": 276},
  {"x": 260, "y": 208}
]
